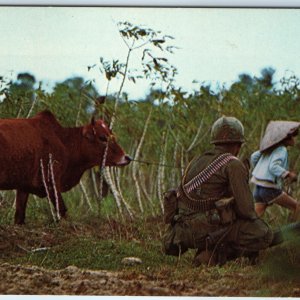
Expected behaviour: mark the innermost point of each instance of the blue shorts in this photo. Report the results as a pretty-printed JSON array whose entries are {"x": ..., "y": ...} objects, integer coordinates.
[{"x": 265, "y": 195}]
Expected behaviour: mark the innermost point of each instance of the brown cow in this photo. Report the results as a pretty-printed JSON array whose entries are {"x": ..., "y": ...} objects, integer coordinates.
[{"x": 41, "y": 157}]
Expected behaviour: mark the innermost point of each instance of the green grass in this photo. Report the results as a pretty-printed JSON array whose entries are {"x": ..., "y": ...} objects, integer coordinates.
[
  {"x": 102, "y": 243},
  {"x": 283, "y": 262},
  {"x": 88, "y": 253}
]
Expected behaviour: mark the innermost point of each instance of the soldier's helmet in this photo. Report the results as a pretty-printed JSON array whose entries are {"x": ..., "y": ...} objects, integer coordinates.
[{"x": 227, "y": 130}]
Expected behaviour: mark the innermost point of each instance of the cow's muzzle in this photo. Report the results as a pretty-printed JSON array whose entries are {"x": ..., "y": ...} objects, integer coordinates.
[{"x": 126, "y": 159}]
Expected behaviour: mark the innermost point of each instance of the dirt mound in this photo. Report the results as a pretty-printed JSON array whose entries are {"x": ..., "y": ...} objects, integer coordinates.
[
  {"x": 74, "y": 281},
  {"x": 17, "y": 241}
]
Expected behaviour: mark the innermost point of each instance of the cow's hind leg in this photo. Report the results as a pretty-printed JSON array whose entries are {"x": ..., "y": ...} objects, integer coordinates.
[{"x": 21, "y": 202}]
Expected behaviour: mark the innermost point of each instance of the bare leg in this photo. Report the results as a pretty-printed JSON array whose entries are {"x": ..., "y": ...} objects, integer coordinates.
[
  {"x": 21, "y": 202},
  {"x": 289, "y": 202},
  {"x": 260, "y": 209}
]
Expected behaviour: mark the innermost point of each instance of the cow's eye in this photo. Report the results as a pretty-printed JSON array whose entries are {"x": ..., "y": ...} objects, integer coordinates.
[{"x": 103, "y": 138}]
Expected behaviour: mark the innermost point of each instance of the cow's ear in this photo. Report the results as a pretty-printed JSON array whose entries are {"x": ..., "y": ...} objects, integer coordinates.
[
  {"x": 88, "y": 133},
  {"x": 107, "y": 119}
]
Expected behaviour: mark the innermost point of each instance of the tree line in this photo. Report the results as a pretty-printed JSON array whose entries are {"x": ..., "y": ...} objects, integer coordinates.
[{"x": 162, "y": 131}]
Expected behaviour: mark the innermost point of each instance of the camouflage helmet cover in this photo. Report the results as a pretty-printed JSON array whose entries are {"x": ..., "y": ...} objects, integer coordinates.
[
  {"x": 227, "y": 130},
  {"x": 276, "y": 132}
]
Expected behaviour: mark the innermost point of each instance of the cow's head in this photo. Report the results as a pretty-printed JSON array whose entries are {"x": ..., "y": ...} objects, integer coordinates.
[{"x": 101, "y": 143}]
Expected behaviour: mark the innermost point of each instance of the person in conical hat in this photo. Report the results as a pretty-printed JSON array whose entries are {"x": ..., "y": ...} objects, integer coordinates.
[{"x": 270, "y": 168}]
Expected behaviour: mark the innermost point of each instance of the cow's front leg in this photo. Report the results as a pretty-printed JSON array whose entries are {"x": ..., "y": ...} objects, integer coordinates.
[{"x": 21, "y": 202}]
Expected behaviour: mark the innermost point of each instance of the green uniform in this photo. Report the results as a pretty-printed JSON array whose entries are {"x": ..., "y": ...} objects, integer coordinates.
[{"x": 192, "y": 226}]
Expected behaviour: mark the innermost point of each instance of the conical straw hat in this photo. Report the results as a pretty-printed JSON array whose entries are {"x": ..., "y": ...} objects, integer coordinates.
[{"x": 276, "y": 132}]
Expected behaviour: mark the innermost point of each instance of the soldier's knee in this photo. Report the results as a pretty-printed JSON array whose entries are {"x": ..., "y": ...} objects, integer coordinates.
[
  {"x": 253, "y": 235},
  {"x": 264, "y": 234}
]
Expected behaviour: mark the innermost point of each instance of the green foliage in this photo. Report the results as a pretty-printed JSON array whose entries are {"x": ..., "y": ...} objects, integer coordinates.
[
  {"x": 283, "y": 263},
  {"x": 183, "y": 124},
  {"x": 180, "y": 122}
]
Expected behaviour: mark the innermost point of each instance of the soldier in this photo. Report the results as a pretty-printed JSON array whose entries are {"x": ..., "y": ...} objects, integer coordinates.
[
  {"x": 270, "y": 165},
  {"x": 231, "y": 230}
]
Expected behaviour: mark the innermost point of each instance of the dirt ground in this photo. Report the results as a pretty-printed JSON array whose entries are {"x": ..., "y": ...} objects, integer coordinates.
[
  {"x": 32, "y": 280},
  {"x": 73, "y": 281},
  {"x": 16, "y": 279}
]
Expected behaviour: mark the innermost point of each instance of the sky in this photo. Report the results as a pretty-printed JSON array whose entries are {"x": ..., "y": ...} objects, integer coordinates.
[{"x": 215, "y": 45}]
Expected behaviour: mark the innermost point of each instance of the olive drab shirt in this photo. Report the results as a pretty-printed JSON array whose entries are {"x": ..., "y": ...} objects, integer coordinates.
[{"x": 231, "y": 180}]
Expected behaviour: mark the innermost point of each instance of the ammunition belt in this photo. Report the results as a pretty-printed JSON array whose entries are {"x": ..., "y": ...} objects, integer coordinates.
[
  {"x": 202, "y": 205},
  {"x": 210, "y": 170}
]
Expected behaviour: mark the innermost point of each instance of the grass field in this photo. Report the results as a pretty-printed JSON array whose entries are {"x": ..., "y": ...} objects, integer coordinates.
[{"x": 75, "y": 255}]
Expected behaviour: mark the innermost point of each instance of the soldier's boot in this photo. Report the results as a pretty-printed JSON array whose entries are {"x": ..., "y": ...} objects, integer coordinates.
[
  {"x": 277, "y": 238},
  {"x": 222, "y": 254},
  {"x": 213, "y": 257},
  {"x": 253, "y": 256},
  {"x": 205, "y": 257}
]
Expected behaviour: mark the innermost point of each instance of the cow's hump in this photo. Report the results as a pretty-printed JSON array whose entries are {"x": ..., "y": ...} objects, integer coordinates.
[{"x": 46, "y": 117}]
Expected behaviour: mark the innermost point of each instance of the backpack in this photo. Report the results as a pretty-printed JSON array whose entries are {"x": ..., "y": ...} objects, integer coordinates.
[{"x": 170, "y": 203}]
